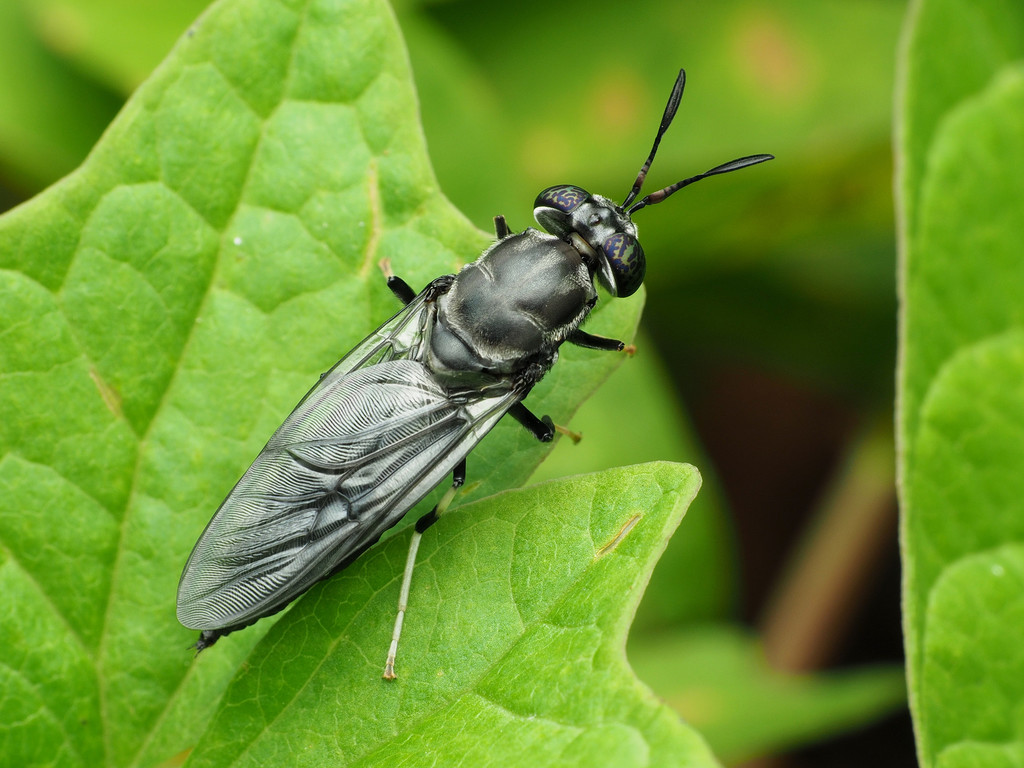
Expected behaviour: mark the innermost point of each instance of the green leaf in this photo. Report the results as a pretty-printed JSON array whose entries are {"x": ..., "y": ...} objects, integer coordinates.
[
  {"x": 654, "y": 429},
  {"x": 962, "y": 407},
  {"x": 965, "y": 203},
  {"x": 970, "y": 657},
  {"x": 163, "y": 308},
  {"x": 962, "y": 511},
  {"x": 718, "y": 680},
  {"x": 513, "y": 648},
  {"x": 952, "y": 50},
  {"x": 974, "y": 755}
]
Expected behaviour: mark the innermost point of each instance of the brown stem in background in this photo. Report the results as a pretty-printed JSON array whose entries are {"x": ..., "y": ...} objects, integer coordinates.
[{"x": 834, "y": 565}]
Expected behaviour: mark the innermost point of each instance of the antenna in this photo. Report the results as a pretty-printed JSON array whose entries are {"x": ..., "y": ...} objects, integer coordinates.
[
  {"x": 732, "y": 165},
  {"x": 666, "y": 121}
]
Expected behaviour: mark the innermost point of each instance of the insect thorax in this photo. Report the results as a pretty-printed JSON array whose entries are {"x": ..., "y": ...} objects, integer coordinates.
[{"x": 521, "y": 298}]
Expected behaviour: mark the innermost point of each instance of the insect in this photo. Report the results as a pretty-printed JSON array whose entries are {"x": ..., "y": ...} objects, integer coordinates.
[{"x": 402, "y": 410}]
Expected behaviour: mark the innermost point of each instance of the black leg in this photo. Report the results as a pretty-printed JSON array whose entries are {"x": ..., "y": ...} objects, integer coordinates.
[
  {"x": 590, "y": 341},
  {"x": 398, "y": 286},
  {"x": 458, "y": 479},
  {"x": 401, "y": 289},
  {"x": 501, "y": 227},
  {"x": 543, "y": 428}
]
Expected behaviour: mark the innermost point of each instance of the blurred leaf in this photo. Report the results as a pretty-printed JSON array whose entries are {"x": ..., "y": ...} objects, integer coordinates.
[
  {"x": 463, "y": 119},
  {"x": 164, "y": 307},
  {"x": 118, "y": 42},
  {"x": 836, "y": 332},
  {"x": 718, "y": 680},
  {"x": 749, "y": 65},
  {"x": 635, "y": 417},
  {"x": 512, "y": 652},
  {"x": 962, "y": 406},
  {"x": 50, "y": 115}
]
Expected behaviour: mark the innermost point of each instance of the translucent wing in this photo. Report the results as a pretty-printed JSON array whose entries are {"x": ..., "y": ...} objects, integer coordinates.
[
  {"x": 403, "y": 336},
  {"x": 373, "y": 437}
]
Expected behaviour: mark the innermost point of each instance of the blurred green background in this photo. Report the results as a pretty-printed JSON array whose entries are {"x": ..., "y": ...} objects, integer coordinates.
[{"x": 770, "y": 317}]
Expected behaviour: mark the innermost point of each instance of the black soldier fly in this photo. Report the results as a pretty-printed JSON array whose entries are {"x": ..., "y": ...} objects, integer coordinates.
[{"x": 403, "y": 409}]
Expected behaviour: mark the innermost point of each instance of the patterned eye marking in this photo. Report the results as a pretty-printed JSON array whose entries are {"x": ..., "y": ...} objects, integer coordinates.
[
  {"x": 626, "y": 257},
  {"x": 565, "y": 198}
]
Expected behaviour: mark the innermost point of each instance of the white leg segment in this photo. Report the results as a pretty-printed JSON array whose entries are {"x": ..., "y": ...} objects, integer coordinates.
[{"x": 403, "y": 593}]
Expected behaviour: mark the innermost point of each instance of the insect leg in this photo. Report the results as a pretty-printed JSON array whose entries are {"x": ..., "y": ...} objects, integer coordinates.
[
  {"x": 405, "y": 293},
  {"x": 590, "y": 341},
  {"x": 543, "y": 428},
  {"x": 399, "y": 287},
  {"x": 501, "y": 227},
  {"x": 458, "y": 478}
]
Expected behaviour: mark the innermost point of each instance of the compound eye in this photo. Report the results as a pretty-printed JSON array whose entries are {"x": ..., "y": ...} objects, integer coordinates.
[
  {"x": 628, "y": 265},
  {"x": 565, "y": 198}
]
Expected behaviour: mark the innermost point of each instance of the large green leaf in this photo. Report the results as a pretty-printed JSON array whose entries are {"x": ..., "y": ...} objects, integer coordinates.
[
  {"x": 163, "y": 308},
  {"x": 513, "y": 651},
  {"x": 962, "y": 406}
]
